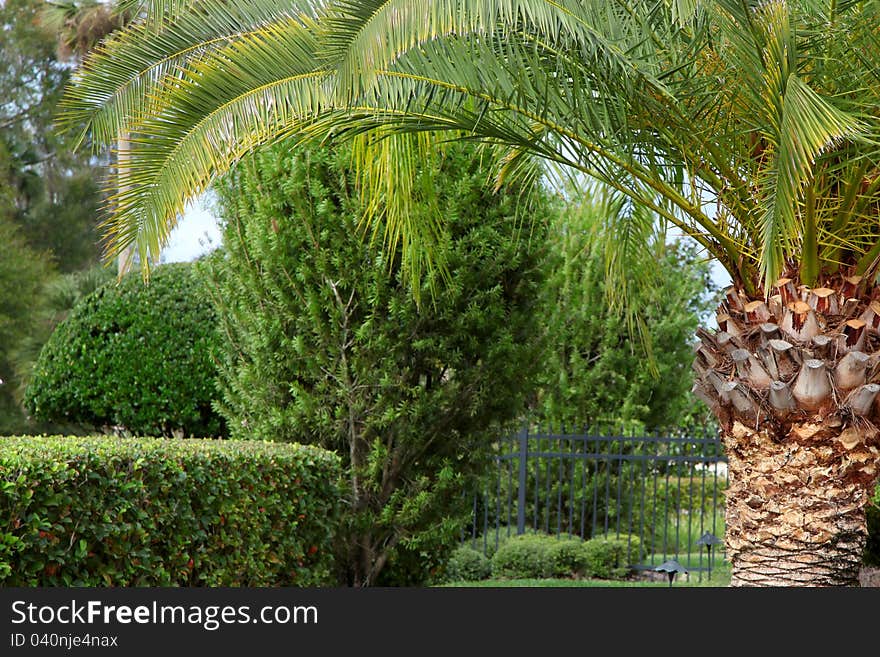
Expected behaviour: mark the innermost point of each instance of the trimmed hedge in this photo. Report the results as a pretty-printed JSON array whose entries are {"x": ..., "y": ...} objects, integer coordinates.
[
  {"x": 101, "y": 511},
  {"x": 539, "y": 556},
  {"x": 467, "y": 565}
]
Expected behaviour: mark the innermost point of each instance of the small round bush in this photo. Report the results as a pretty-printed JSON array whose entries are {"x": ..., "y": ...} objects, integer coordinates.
[
  {"x": 522, "y": 557},
  {"x": 567, "y": 557},
  {"x": 610, "y": 557},
  {"x": 467, "y": 565},
  {"x": 489, "y": 541},
  {"x": 133, "y": 356}
]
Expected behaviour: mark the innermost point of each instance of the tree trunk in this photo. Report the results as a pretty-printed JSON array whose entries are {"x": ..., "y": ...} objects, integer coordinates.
[
  {"x": 793, "y": 380},
  {"x": 126, "y": 258},
  {"x": 796, "y": 504}
]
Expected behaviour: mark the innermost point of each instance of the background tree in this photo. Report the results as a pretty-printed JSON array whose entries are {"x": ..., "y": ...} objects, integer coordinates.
[
  {"x": 79, "y": 26},
  {"x": 52, "y": 193},
  {"x": 593, "y": 372},
  {"x": 750, "y": 126},
  {"x": 49, "y": 195},
  {"x": 323, "y": 342},
  {"x": 22, "y": 275}
]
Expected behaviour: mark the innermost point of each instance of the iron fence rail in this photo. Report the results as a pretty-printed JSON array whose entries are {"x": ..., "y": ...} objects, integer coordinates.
[{"x": 661, "y": 492}]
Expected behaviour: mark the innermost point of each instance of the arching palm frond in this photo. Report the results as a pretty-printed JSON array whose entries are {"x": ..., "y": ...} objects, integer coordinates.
[
  {"x": 222, "y": 107},
  {"x": 751, "y": 127}
]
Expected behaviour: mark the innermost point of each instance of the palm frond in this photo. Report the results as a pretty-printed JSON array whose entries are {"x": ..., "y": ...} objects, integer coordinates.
[
  {"x": 116, "y": 85},
  {"x": 401, "y": 201},
  {"x": 809, "y": 125},
  {"x": 750, "y": 126},
  {"x": 221, "y": 108}
]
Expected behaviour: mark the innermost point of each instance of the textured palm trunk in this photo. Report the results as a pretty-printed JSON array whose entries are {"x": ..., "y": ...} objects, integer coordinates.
[
  {"x": 795, "y": 507},
  {"x": 795, "y": 383},
  {"x": 125, "y": 259}
]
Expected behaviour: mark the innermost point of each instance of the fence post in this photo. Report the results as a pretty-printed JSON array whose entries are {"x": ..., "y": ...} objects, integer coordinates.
[{"x": 521, "y": 498}]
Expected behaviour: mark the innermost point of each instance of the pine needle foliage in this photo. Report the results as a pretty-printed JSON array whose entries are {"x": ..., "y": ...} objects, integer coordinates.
[{"x": 323, "y": 342}]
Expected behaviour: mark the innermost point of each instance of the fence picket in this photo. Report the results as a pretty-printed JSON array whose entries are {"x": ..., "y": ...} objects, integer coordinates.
[{"x": 655, "y": 479}]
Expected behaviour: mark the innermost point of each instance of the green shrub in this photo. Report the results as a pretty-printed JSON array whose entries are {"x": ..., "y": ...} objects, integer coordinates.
[
  {"x": 539, "y": 555},
  {"x": 134, "y": 356},
  {"x": 467, "y": 565},
  {"x": 522, "y": 557},
  {"x": 489, "y": 541},
  {"x": 610, "y": 557},
  {"x": 153, "y": 512},
  {"x": 567, "y": 557},
  {"x": 57, "y": 299}
]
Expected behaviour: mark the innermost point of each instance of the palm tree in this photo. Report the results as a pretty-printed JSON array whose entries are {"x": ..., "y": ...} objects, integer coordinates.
[{"x": 750, "y": 126}]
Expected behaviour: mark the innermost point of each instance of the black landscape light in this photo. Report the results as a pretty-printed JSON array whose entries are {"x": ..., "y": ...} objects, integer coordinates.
[
  {"x": 671, "y": 568},
  {"x": 709, "y": 540}
]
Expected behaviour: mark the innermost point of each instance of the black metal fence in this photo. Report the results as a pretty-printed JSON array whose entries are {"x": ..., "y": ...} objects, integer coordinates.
[{"x": 662, "y": 493}]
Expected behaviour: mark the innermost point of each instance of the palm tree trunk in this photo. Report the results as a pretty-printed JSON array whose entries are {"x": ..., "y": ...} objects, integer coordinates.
[
  {"x": 796, "y": 503},
  {"x": 795, "y": 383},
  {"x": 125, "y": 259}
]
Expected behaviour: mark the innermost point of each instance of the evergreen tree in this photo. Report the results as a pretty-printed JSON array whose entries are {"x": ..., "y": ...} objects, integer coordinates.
[
  {"x": 594, "y": 372},
  {"x": 49, "y": 198},
  {"x": 324, "y": 343},
  {"x": 22, "y": 275},
  {"x": 49, "y": 191}
]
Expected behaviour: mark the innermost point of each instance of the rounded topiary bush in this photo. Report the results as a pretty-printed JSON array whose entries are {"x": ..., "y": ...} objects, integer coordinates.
[
  {"x": 522, "y": 557},
  {"x": 135, "y": 356},
  {"x": 467, "y": 565},
  {"x": 610, "y": 557},
  {"x": 567, "y": 557}
]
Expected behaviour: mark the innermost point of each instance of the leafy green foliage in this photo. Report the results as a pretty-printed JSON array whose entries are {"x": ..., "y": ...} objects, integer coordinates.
[
  {"x": 567, "y": 557},
  {"x": 466, "y": 564},
  {"x": 750, "y": 126},
  {"x": 537, "y": 555},
  {"x": 134, "y": 356},
  {"x": 595, "y": 373},
  {"x": 57, "y": 299},
  {"x": 609, "y": 557},
  {"x": 22, "y": 275},
  {"x": 324, "y": 343},
  {"x": 489, "y": 541},
  {"x": 152, "y": 512},
  {"x": 48, "y": 190},
  {"x": 522, "y": 557},
  {"x": 49, "y": 198}
]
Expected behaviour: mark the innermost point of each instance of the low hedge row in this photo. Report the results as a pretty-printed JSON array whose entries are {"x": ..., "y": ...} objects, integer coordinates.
[
  {"x": 101, "y": 511},
  {"x": 538, "y": 556}
]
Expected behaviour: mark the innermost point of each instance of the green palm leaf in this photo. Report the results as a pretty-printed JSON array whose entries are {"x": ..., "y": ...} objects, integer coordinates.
[{"x": 751, "y": 127}]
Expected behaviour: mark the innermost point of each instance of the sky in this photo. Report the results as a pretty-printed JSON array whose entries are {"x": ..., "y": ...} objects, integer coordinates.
[{"x": 196, "y": 233}]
